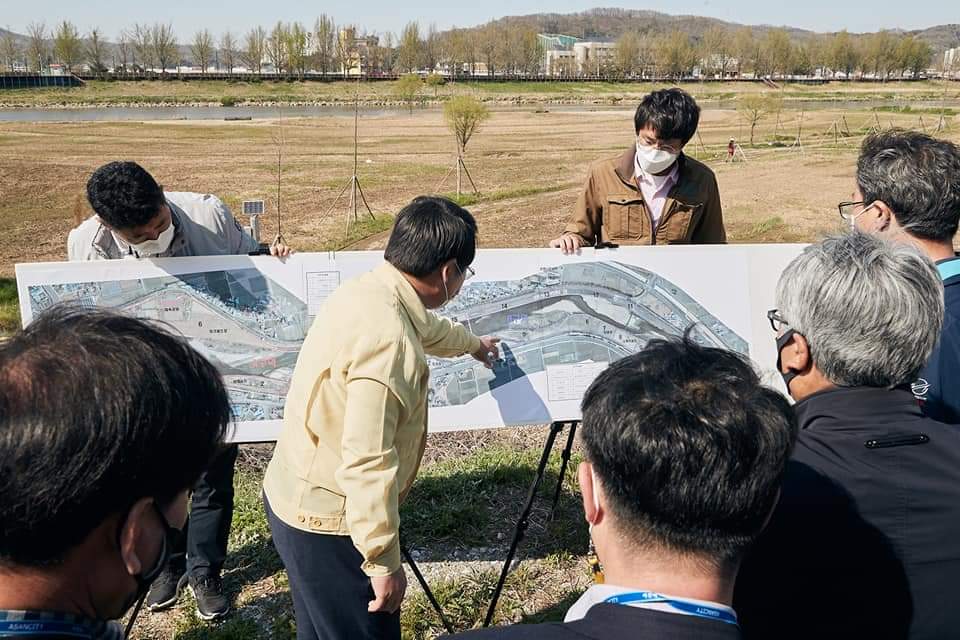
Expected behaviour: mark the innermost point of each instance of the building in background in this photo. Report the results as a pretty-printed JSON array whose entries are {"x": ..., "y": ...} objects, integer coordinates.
[
  {"x": 355, "y": 51},
  {"x": 565, "y": 56},
  {"x": 593, "y": 58},
  {"x": 951, "y": 62}
]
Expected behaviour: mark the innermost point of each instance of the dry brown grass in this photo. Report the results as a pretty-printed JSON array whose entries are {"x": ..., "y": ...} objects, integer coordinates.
[{"x": 778, "y": 195}]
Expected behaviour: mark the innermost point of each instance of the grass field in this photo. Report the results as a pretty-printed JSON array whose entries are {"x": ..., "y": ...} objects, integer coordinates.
[{"x": 529, "y": 163}]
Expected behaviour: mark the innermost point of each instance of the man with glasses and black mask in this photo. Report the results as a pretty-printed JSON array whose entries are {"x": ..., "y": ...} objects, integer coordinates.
[
  {"x": 908, "y": 190},
  {"x": 653, "y": 193},
  {"x": 355, "y": 425},
  {"x": 105, "y": 424},
  {"x": 865, "y": 540}
]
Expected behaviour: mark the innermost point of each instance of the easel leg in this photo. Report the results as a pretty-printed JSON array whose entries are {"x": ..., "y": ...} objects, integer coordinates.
[
  {"x": 426, "y": 588},
  {"x": 564, "y": 462},
  {"x": 524, "y": 520}
]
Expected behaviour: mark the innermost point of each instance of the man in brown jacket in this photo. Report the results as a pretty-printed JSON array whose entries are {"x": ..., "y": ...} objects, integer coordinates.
[{"x": 653, "y": 193}]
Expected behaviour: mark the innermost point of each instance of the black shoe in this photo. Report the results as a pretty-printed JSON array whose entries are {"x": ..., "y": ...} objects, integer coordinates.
[
  {"x": 207, "y": 590},
  {"x": 165, "y": 591}
]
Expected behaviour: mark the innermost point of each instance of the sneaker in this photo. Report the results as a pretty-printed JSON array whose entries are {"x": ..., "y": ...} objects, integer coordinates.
[
  {"x": 166, "y": 589},
  {"x": 207, "y": 590}
]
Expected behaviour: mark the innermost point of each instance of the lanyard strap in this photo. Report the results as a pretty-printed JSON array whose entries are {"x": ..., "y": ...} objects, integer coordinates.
[
  {"x": 18, "y": 628},
  {"x": 642, "y": 598},
  {"x": 949, "y": 268}
]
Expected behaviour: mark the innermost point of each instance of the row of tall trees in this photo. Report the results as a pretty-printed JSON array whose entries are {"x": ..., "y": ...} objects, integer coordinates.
[
  {"x": 496, "y": 48},
  {"x": 776, "y": 54}
]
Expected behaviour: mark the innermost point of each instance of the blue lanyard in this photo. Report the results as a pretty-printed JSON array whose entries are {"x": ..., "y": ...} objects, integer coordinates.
[
  {"x": 17, "y": 628},
  {"x": 640, "y": 598},
  {"x": 948, "y": 268}
]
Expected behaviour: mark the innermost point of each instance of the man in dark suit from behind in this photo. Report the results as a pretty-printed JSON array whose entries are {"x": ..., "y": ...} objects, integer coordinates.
[{"x": 685, "y": 451}]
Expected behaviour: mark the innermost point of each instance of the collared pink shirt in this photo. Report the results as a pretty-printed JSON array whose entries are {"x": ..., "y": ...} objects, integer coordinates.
[{"x": 655, "y": 189}]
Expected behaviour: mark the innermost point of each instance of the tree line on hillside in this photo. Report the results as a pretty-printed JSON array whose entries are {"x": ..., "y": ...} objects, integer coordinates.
[{"x": 497, "y": 48}]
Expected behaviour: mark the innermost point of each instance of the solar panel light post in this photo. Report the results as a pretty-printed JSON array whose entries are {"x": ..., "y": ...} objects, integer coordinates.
[{"x": 253, "y": 209}]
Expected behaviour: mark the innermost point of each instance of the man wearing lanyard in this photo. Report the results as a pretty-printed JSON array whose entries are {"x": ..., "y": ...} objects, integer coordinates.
[
  {"x": 652, "y": 193},
  {"x": 106, "y": 423},
  {"x": 135, "y": 218},
  {"x": 684, "y": 452},
  {"x": 908, "y": 190}
]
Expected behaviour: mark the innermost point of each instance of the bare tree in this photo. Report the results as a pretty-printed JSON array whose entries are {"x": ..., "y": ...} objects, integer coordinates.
[
  {"x": 675, "y": 54},
  {"x": 254, "y": 48},
  {"x": 753, "y": 107},
  {"x": 276, "y": 46},
  {"x": 745, "y": 49},
  {"x": 67, "y": 47},
  {"x": 142, "y": 39},
  {"x": 325, "y": 33},
  {"x": 407, "y": 88},
  {"x": 9, "y": 50},
  {"x": 388, "y": 53},
  {"x": 877, "y": 53},
  {"x": 464, "y": 115},
  {"x": 626, "y": 54},
  {"x": 913, "y": 55},
  {"x": 431, "y": 49},
  {"x": 37, "y": 50},
  {"x": 164, "y": 44},
  {"x": 717, "y": 47},
  {"x": 842, "y": 53},
  {"x": 125, "y": 50},
  {"x": 228, "y": 51},
  {"x": 202, "y": 49},
  {"x": 296, "y": 44},
  {"x": 94, "y": 51},
  {"x": 411, "y": 47},
  {"x": 778, "y": 51}
]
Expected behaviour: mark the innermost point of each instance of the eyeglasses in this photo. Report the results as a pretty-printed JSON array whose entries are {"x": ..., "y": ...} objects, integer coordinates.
[
  {"x": 467, "y": 273},
  {"x": 846, "y": 210},
  {"x": 658, "y": 145},
  {"x": 777, "y": 323}
]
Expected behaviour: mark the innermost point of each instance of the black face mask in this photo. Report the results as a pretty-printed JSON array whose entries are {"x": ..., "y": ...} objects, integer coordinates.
[
  {"x": 781, "y": 343},
  {"x": 147, "y": 578}
]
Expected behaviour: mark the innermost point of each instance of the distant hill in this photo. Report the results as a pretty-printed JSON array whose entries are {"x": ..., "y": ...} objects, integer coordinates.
[{"x": 610, "y": 23}]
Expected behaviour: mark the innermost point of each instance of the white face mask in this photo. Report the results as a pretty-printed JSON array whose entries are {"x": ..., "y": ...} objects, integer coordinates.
[
  {"x": 853, "y": 218},
  {"x": 154, "y": 247},
  {"x": 653, "y": 160}
]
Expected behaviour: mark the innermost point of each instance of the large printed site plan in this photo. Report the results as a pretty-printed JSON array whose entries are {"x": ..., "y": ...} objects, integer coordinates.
[
  {"x": 562, "y": 320},
  {"x": 588, "y": 313},
  {"x": 248, "y": 326}
]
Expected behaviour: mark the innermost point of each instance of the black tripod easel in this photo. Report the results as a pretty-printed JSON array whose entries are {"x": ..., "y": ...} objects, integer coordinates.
[
  {"x": 524, "y": 521},
  {"x": 426, "y": 588}
]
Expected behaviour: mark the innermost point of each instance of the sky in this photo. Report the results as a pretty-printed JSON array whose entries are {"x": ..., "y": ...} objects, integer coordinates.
[{"x": 379, "y": 16}]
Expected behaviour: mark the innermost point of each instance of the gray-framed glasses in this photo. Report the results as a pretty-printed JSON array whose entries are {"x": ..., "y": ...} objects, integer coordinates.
[
  {"x": 777, "y": 323},
  {"x": 846, "y": 210},
  {"x": 656, "y": 144}
]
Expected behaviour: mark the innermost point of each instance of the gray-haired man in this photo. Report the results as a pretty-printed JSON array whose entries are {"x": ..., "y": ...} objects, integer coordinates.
[
  {"x": 908, "y": 190},
  {"x": 865, "y": 542}
]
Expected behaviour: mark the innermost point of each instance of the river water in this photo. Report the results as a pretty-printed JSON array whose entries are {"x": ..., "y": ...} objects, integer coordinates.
[{"x": 116, "y": 114}]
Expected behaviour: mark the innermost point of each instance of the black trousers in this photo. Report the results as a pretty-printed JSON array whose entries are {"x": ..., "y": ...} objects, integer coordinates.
[
  {"x": 330, "y": 591},
  {"x": 204, "y": 542}
]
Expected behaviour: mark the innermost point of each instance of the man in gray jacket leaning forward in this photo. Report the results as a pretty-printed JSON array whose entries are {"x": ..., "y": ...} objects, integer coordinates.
[{"x": 135, "y": 218}]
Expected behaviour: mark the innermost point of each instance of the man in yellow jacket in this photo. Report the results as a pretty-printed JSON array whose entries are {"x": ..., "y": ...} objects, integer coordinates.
[{"x": 355, "y": 425}]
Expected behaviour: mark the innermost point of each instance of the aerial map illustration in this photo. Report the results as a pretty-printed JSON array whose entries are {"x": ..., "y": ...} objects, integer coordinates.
[
  {"x": 568, "y": 321},
  {"x": 247, "y": 325},
  {"x": 560, "y": 326}
]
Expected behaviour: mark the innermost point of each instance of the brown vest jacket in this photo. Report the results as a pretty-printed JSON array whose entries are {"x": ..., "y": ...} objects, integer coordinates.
[{"x": 611, "y": 209}]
